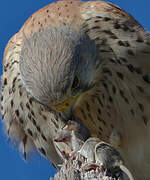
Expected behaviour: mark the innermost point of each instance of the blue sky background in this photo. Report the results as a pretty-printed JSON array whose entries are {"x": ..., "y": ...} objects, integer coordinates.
[{"x": 13, "y": 14}]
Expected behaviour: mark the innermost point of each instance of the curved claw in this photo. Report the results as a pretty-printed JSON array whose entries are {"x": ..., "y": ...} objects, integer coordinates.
[{"x": 127, "y": 172}]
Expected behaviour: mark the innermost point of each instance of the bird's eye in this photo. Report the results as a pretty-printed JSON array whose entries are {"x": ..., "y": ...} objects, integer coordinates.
[{"x": 75, "y": 83}]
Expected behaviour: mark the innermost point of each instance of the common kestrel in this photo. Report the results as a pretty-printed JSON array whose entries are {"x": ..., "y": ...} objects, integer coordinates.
[{"x": 79, "y": 60}]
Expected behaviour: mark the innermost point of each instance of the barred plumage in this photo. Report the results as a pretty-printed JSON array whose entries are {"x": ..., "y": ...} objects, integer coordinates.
[{"x": 113, "y": 94}]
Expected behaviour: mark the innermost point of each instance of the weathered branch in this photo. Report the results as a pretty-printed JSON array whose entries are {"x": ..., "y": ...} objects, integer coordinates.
[{"x": 73, "y": 170}]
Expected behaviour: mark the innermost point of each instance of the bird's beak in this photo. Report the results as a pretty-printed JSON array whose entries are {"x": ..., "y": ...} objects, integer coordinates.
[{"x": 67, "y": 104}]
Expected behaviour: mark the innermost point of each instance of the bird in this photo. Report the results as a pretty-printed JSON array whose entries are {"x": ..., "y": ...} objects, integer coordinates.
[{"x": 88, "y": 60}]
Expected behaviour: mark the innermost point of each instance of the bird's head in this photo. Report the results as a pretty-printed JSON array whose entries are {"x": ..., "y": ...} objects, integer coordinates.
[{"x": 57, "y": 65}]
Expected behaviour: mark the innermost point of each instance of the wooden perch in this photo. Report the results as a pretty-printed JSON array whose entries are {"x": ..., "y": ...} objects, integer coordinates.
[{"x": 96, "y": 160}]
